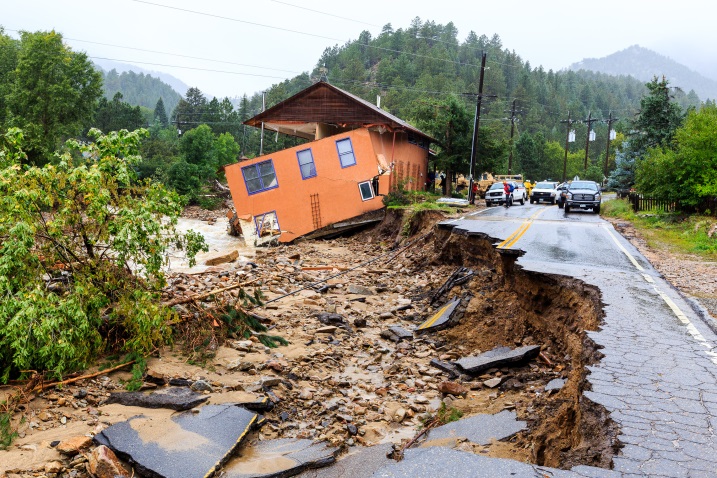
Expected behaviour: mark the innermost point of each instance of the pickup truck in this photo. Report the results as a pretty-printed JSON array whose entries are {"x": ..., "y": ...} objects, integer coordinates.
[
  {"x": 495, "y": 194},
  {"x": 583, "y": 195},
  {"x": 544, "y": 191}
]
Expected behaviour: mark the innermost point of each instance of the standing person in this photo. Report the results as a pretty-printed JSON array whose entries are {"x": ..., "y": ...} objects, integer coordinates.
[
  {"x": 474, "y": 192},
  {"x": 442, "y": 182},
  {"x": 431, "y": 183},
  {"x": 507, "y": 191}
]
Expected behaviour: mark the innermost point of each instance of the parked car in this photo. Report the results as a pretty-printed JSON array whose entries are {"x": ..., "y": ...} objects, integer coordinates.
[
  {"x": 544, "y": 191},
  {"x": 583, "y": 195},
  {"x": 495, "y": 194}
]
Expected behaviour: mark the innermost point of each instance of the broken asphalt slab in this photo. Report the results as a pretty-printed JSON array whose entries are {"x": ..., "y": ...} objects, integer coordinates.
[
  {"x": 175, "y": 398},
  {"x": 279, "y": 458},
  {"x": 360, "y": 462},
  {"x": 439, "y": 320},
  {"x": 440, "y": 461},
  {"x": 480, "y": 429},
  {"x": 188, "y": 445},
  {"x": 497, "y": 357}
]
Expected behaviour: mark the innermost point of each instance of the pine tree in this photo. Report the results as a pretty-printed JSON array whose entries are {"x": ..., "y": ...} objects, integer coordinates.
[{"x": 160, "y": 113}]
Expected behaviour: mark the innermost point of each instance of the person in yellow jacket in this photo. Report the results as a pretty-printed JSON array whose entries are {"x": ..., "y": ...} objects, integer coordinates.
[{"x": 529, "y": 186}]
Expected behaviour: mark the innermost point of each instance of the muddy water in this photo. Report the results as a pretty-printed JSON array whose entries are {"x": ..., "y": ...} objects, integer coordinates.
[{"x": 218, "y": 240}]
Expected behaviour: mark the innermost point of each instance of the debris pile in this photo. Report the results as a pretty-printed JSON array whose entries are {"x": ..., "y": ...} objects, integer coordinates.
[{"x": 382, "y": 332}]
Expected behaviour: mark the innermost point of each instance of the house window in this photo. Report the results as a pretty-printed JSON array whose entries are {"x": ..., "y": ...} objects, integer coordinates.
[
  {"x": 306, "y": 163},
  {"x": 366, "y": 190},
  {"x": 260, "y": 177},
  {"x": 267, "y": 224},
  {"x": 346, "y": 152}
]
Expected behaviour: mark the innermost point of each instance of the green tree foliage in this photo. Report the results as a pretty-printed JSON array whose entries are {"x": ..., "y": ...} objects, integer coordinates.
[
  {"x": 653, "y": 127},
  {"x": 658, "y": 118},
  {"x": 53, "y": 93},
  {"x": 160, "y": 113},
  {"x": 116, "y": 115},
  {"x": 9, "y": 51},
  {"x": 686, "y": 172},
  {"x": 139, "y": 89},
  {"x": 82, "y": 250}
]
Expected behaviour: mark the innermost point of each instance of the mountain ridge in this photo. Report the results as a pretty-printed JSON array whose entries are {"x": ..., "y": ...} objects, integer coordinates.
[{"x": 644, "y": 64}]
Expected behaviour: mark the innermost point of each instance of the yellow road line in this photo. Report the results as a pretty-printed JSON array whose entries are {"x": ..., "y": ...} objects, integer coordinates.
[
  {"x": 435, "y": 317},
  {"x": 513, "y": 238}
]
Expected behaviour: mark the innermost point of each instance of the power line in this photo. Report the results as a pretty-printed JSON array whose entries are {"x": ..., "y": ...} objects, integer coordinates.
[
  {"x": 188, "y": 67},
  {"x": 324, "y": 13}
]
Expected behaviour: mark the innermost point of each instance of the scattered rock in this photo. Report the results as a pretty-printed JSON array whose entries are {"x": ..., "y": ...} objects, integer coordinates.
[
  {"x": 396, "y": 333},
  {"x": 72, "y": 446},
  {"x": 493, "y": 382},
  {"x": 103, "y": 463},
  {"x": 555, "y": 385},
  {"x": 452, "y": 388},
  {"x": 223, "y": 259},
  {"x": 359, "y": 290},
  {"x": 201, "y": 386},
  {"x": 498, "y": 357}
]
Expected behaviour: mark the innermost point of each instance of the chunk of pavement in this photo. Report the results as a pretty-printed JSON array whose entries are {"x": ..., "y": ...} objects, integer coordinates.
[
  {"x": 188, "y": 444},
  {"x": 555, "y": 385},
  {"x": 396, "y": 333},
  {"x": 281, "y": 457},
  {"x": 447, "y": 367},
  {"x": 493, "y": 382},
  {"x": 359, "y": 290},
  {"x": 230, "y": 257},
  {"x": 175, "y": 398},
  {"x": 422, "y": 462},
  {"x": 498, "y": 357},
  {"x": 360, "y": 462},
  {"x": 479, "y": 429},
  {"x": 440, "y": 319}
]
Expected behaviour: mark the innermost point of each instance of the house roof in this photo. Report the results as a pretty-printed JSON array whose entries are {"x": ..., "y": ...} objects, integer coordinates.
[{"x": 327, "y": 104}]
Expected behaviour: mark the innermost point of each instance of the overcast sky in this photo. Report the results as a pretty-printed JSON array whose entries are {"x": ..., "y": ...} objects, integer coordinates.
[{"x": 261, "y": 42}]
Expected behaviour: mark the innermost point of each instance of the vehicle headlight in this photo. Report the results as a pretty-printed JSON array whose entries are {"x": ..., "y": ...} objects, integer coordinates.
[
  {"x": 552, "y": 194},
  {"x": 597, "y": 196},
  {"x": 569, "y": 195}
]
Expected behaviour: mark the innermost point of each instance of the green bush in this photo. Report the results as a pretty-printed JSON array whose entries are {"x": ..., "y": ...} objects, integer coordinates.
[{"x": 82, "y": 250}]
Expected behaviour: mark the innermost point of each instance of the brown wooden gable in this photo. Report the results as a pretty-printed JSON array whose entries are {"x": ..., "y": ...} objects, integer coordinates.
[{"x": 325, "y": 103}]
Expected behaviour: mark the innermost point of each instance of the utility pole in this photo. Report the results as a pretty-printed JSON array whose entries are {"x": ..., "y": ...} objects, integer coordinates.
[
  {"x": 589, "y": 122},
  {"x": 512, "y": 129},
  {"x": 567, "y": 141},
  {"x": 476, "y": 124},
  {"x": 261, "y": 140},
  {"x": 610, "y": 121}
]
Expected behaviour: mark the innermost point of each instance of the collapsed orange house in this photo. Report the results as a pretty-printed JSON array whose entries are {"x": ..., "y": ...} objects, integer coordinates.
[{"x": 358, "y": 152}]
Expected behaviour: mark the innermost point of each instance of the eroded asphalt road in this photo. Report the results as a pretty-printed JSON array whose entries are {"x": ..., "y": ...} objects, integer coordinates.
[{"x": 658, "y": 377}]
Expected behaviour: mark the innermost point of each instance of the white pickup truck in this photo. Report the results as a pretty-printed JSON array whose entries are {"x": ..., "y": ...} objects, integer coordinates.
[
  {"x": 544, "y": 191},
  {"x": 495, "y": 194}
]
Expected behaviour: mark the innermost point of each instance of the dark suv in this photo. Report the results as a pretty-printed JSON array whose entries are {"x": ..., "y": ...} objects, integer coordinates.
[{"x": 583, "y": 195}]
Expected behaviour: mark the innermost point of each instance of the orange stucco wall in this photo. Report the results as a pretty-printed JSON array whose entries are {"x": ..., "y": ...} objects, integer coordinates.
[
  {"x": 337, "y": 188},
  {"x": 408, "y": 162}
]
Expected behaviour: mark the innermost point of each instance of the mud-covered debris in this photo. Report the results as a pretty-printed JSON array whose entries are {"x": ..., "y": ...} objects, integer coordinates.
[
  {"x": 175, "y": 398},
  {"x": 396, "y": 333},
  {"x": 338, "y": 320},
  {"x": 282, "y": 457},
  {"x": 498, "y": 357},
  {"x": 187, "y": 444},
  {"x": 359, "y": 290}
]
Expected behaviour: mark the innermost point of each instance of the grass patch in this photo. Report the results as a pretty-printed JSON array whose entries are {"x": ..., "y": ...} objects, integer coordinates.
[{"x": 669, "y": 231}]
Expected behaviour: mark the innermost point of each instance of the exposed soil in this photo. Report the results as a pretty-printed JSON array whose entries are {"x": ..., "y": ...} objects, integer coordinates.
[{"x": 328, "y": 379}]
